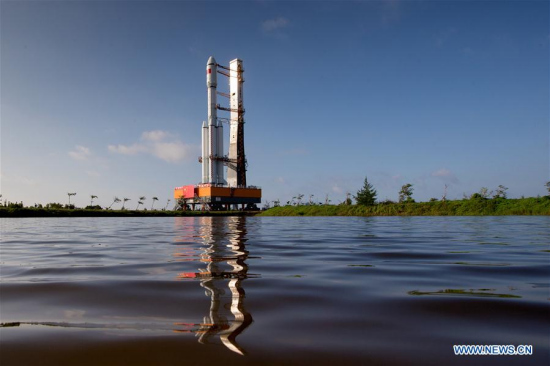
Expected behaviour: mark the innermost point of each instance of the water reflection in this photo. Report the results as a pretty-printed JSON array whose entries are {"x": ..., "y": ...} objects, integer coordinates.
[
  {"x": 483, "y": 292},
  {"x": 224, "y": 257}
]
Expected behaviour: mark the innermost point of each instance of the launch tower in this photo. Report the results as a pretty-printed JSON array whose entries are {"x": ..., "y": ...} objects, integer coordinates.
[{"x": 214, "y": 191}]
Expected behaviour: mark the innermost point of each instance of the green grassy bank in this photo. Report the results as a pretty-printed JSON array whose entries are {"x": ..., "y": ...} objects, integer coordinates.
[
  {"x": 64, "y": 212},
  {"x": 469, "y": 207}
]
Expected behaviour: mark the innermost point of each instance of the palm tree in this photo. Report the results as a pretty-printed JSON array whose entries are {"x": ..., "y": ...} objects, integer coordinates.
[
  {"x": 123, "y": 203},
  {"x": 154, "y": 199},
  {"x": 140, "y": 202},
  {"x": 167, "y": 202},
  {"x": 116, "y": 200},
  {"x": 71, "y": 194},
  {"x": 92, "y": 202}
]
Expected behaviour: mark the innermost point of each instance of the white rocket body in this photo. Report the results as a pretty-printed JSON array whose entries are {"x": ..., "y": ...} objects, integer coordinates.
[
  {"x": 213, "y": 144},
  {"x": 219, "y": 169},
  {"x": 205, "y": 154}
]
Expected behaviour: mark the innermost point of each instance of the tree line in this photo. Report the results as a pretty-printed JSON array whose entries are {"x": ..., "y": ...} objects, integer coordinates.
[
  {"x": 367, "y": 196},
  {"x": 91, "y": 206}
]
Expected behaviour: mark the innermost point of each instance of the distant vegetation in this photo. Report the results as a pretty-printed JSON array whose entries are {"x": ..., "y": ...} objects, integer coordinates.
[
  {"x": 16, "y": 210},
  {"x": 482, "y": 203},
  {"x": 55, "y": 209},
  {"x": 467, "y": 207}
]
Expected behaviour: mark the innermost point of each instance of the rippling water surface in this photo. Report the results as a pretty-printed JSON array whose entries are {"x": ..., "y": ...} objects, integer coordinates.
[{"x": 260, "y": 290}]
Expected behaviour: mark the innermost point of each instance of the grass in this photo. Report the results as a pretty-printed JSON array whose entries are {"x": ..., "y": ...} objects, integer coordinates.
[
  {"x": 64, "y": 212},
  {"x": 468, "y": 207}
]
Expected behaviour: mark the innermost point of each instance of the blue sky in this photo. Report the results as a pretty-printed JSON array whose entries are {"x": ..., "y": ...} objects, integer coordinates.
[{"x": 108, "y": 97}]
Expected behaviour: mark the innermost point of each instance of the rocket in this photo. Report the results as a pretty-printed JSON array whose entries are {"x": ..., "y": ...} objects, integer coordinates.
[{"x": 212, "y": 131}]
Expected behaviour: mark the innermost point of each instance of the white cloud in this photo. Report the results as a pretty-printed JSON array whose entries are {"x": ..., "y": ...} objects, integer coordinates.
[
  {"x": 80, "y": 153},
  {"x": 160, "y": 144},
  {"x": 156, "y": 135},
  {"x": 127, "y": 150},
  {"x": 442, "y": 173},
  {"x": 274, "y": 24},
  {"x": 171, "y": 152},
  {"x": 337, "y": 189},
  {"x": 446, "y": 175}
]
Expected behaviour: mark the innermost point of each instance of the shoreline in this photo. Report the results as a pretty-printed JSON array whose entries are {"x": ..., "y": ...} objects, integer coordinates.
[
  {"x": 44, "y": 212},
  {"x": 468, "y": 207},
  {"x": 533, "y": 206}
]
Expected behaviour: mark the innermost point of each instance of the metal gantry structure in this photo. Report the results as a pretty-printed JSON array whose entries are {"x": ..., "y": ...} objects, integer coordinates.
[{"x": 215, "y": 191}]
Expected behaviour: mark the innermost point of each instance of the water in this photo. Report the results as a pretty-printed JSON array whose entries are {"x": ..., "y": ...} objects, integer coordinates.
[{"x": 260, "y": 290}]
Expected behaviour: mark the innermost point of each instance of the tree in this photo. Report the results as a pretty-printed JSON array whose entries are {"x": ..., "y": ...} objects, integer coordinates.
[
  {"x": 167, "y": 203},
  {"x": 299, "y": 198},
  {"x": 154, "y": 199},
  {"x": 124, "y": 203},
  {"x": 348, "y": 199},
  {"x": 115, "y": 200},
  {"x": 484, "y": 192},
  {"x": 70, "y": 194},
  {"x": 92, "y": 201},
  {"x": 366, "y": 196},
  {"x": 405, "y": 194},
  {"x": 500, "y": 192},
  {"x": 548, "y": 187},
  {"x": 140, "y": 201}
]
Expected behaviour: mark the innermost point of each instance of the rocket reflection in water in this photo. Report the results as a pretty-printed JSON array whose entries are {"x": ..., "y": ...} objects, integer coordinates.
[{"x": 222, "y": 280}]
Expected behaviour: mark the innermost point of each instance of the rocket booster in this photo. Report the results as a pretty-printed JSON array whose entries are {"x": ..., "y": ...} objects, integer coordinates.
[
  {"x": 205, "y": 154},
  {"x": 213, "y": 143}
]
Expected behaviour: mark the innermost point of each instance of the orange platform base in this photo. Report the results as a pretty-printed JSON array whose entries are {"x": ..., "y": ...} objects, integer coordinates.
[{"x": 213, "y": 194}]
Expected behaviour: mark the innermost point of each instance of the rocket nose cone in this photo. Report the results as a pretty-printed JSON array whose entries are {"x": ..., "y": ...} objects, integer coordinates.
[
  {"x": 211, "y": 61},
  {"x": 204, "y": 124}
]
